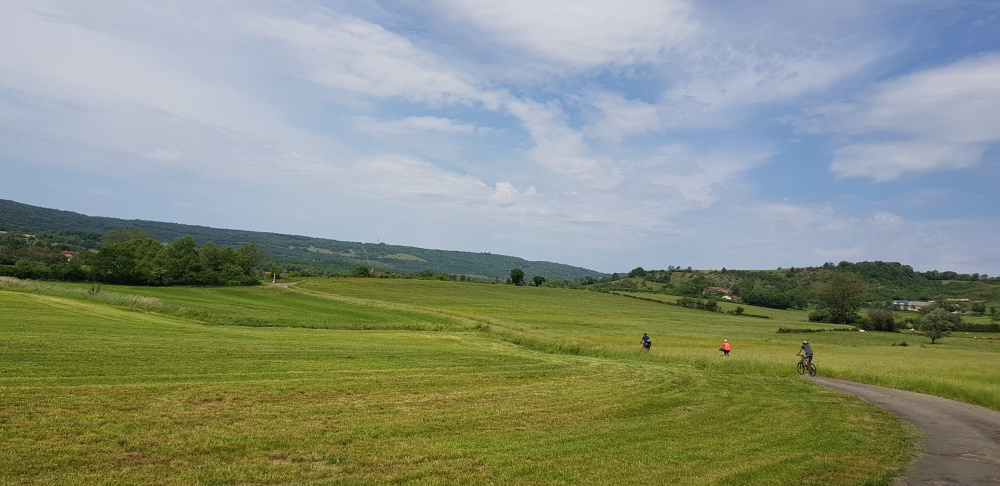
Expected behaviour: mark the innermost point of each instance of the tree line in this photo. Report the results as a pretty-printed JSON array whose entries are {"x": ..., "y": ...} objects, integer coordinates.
[{"x": 127, "y": 256}]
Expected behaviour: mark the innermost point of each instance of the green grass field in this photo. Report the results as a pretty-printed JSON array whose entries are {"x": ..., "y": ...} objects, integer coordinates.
[{"x": 370, "y": 381}]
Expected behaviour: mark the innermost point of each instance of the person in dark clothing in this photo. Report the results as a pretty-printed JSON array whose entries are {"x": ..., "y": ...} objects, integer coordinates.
[
  {"x": 806, "y": 351},
  {"x": 646, "y": 342}
]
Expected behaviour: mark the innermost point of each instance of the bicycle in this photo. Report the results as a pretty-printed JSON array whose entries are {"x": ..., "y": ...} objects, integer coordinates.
[{"x": 804, "y": 366}]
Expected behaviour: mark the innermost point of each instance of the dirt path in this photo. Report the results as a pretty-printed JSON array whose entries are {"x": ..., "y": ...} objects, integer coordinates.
[{"x": 962, "y": 443}]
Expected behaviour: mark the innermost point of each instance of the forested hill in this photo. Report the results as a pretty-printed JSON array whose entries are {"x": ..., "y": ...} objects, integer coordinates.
[{"x": 296, "y": 252}]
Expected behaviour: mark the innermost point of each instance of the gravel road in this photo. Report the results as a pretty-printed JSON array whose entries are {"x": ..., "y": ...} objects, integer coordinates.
[{"x": 962, "y": 442}]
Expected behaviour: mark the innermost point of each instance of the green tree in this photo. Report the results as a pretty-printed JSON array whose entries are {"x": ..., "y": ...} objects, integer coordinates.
[
  {"x": 939, "y": 323},
  {"x": 767, "y": 298},
  {"x": 132, "y": 262},
  {"x": 211, "y": 257},
  {"x": 538, "y": 280},
  {"x": 881, "y": 320},
  {"x": 211, "y": 260},
  {"x": 637, "y": 272},
  {"x": 180, "y": 262},
  {"x": 517, "y": 276},
  {"x": 250, "y": 257},
  {"x": 843, "y": 297},
  {"x": 979, "y": 308},
  {"x": 31, "y": 269},
  {"x": 819, "y": 315}
]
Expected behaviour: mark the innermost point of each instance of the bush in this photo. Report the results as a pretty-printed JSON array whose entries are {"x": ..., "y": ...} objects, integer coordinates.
[
  {"x": 700, "y": 304},
  {"x": 880, "y": 320},
  {"x": 763, "y": 298},
  {"x": 825, "y": 315},
  {"x": 976, "y": 327},
  {"x": 793, "y": 330}
]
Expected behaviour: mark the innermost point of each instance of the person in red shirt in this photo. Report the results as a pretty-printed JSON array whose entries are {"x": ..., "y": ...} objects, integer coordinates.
[{"x": 726, "y": 348}]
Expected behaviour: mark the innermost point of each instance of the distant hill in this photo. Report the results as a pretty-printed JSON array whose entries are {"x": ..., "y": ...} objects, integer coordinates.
[{"x": 298, "y": 252}]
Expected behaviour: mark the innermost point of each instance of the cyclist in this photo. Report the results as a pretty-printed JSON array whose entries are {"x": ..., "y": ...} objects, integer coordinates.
[
  {"x": 646, "y": 343},
  {"x": 726, "y": 348},
  {"x": 806, "y": 351}
]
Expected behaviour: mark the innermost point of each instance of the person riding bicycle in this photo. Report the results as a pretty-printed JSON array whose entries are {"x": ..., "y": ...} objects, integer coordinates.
[
  {"x": 806, "y": 351},
  {"x": 726, "y": 348},
  {"x": 646, "y": 342}
]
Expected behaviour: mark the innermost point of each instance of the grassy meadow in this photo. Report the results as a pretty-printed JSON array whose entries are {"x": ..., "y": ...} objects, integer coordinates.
[{"x": 371, "y": 381}]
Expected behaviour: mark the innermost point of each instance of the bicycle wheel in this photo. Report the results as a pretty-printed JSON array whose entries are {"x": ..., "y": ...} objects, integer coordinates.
[
  {"x": 801, "y": 368},
  {"x": 812, "y": 370}
]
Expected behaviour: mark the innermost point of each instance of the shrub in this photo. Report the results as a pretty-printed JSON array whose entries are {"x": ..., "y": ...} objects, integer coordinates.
[
  {"x": 976, "y": 327},
  {"x": 881, "y": 320}
]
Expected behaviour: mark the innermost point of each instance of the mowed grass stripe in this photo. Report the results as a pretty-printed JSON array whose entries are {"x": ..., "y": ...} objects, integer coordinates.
[{"x": 272, "y": 306}]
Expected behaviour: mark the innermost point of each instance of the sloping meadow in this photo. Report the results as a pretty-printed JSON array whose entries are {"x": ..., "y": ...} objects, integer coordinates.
[{"x": 365, "y": 381}]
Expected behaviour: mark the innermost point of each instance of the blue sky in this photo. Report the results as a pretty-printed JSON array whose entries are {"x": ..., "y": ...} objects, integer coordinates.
[{"x": 608, "y": 135}]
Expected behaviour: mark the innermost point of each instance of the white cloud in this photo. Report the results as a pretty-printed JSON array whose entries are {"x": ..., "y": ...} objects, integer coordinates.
[
  {"x": 347, "y": 53},
  {"x": 959, "y": 103},
  {"x": 937, "y": 119},
  {"x": 165, "y": 155},
  {"x": 698, "y": 177},
  {"x": 77, "y": 65},
  {"x": 793, "y": 216},
  {"x": 398, "y": 176},
  {"x": 416, "y": 124},
  {"x": 582, "y": 33},
  {"x": 561, "y": 149},
  {"x": 730, "y": 74},
  {"x": 504, "y": 192},
  {"x": 887, "y": 220},
  {"x": 619, "y": 117},
  {"x": 888, "y": 161}
]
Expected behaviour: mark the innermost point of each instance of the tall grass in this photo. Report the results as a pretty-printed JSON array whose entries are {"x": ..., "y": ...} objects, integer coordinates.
[{"x": 78, "y": 290}]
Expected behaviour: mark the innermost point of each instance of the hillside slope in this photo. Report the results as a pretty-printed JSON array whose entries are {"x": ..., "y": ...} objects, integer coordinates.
[{"x": 297, "y": 252}]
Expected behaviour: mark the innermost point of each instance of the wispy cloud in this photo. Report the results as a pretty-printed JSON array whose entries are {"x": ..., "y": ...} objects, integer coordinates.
[
  {"x": 582, "y": 34},
  {"x": 350, "y": 54},
  {"x": 936, "y": 119},
  {"x": 413, "y": 124}
]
